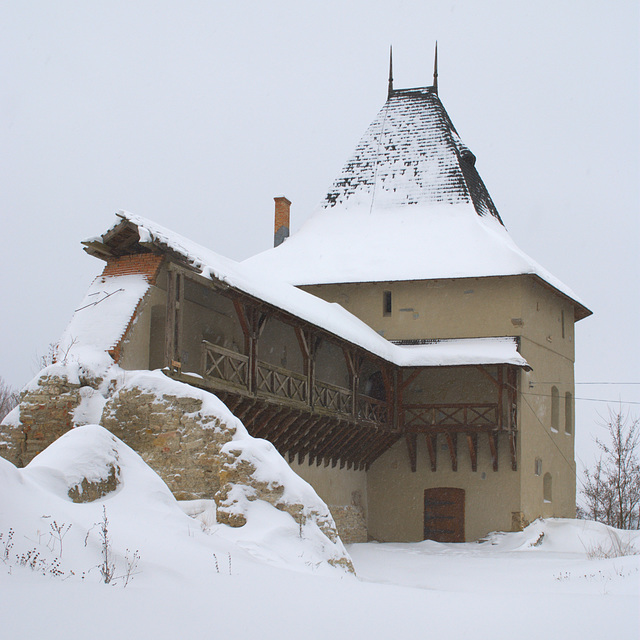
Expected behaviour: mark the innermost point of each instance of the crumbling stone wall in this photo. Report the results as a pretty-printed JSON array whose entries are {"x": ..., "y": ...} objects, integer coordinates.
[
  {"x": 45, "y": 412},
  {"x": 171, "y": 434},
  {"x": 350, "y": 523},
  {"x": 176, "y": 438}
]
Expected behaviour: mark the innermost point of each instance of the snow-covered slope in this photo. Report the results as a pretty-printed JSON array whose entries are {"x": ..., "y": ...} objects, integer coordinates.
[
  {"x": 143, "y": 515},
  {"x": 191, "y": 584}
]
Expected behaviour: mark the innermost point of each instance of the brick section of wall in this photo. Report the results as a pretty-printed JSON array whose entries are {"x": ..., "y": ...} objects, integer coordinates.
[{"x": 146, "y": 264}]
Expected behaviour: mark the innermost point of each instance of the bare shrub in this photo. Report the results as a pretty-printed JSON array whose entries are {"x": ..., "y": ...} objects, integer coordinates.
[
  {"x": 611, "y": 489},
  {"x": 9, "y": 398},
  {"x": 616, "y": 547}
]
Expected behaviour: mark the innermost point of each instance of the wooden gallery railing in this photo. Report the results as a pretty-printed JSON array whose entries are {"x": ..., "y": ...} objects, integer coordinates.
[{"x": 230, "y": 371}]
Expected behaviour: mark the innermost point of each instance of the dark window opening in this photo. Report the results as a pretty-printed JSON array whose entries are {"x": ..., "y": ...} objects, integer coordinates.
[{"x": 386, "y": 303}]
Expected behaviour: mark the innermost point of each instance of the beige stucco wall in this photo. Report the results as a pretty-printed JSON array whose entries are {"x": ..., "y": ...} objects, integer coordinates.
[
  {"x": 552, "y": 358},
  {"x": 136, "y": 346},
  {"x": 334, "y": 485},
  {"x": 519, "y": 306},
  {"x": 396, "y": 494},
  {"x": 465, "y": 307}
]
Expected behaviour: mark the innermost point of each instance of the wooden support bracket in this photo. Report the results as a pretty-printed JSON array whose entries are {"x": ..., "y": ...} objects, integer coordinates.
[
  {"x": 472, "y": 442},
  {"x": 432, "y": 447},
  {"x": 412, "y": 447},
  {"x": 493, "y": 446},
  {"x": 452, "y": 443}
]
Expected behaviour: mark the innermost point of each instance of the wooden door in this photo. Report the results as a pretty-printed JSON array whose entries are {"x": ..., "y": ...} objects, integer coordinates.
[{"x": 444, "y": 514}]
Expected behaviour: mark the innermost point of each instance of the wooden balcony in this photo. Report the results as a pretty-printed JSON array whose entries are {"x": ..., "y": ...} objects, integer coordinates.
[
  {"x": 324, "y": 422},
  {"x": 227, "y": 370}
]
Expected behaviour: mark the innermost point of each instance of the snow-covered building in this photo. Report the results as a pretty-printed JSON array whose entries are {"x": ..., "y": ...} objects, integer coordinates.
[{"x": 387, "y": 349}]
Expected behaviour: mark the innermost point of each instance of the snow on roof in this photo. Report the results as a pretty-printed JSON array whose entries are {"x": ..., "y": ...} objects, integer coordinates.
[
  {"x": 349, "y": 243},
  {"x": 103, "y": 316},
  {"x": 329, "y": 316},
  {"x": 408, "y": 205}
]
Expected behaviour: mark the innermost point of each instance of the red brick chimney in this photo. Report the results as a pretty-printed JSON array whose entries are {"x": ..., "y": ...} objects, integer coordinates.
[{"x": 281, "y": 228}]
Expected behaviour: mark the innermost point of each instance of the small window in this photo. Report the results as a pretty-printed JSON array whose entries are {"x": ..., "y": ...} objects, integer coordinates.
[
  {"x": 562, "y": 320},
  {"x": 546, "y": 487},
  {"x": 568, "y": 413},
  {"x": 555, "y": 408},
  {"x": 537, "y": 469},
  {"x": 386, "y": 303}
]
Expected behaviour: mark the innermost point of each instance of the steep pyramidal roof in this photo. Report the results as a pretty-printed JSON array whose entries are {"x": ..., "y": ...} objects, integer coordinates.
[
  {"x": 411, "y": 154},
  {"x": 408, "y": 205}
]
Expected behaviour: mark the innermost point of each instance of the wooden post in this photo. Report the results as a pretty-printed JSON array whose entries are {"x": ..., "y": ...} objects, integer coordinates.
[
  {"x": 170, "y": 325},
  {"x": 500, "y": 402},
  {"x": 173, "y": 326}
]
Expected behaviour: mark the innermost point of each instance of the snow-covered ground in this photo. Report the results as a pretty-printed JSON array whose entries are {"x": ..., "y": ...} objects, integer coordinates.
[{"x": 196, "y": 578}]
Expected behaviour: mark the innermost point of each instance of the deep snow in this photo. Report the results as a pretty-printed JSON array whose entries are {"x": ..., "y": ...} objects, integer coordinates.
[{"x": 196, "y": 578}]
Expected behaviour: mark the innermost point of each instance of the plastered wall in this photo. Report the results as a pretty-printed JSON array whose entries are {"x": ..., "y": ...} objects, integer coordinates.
[{"x": 396, "y": 494}]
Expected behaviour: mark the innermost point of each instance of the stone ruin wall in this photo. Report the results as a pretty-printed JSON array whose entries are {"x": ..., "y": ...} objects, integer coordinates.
[
  {"x": 176, "y": 441},
  {"x": 44, "y": 414}
]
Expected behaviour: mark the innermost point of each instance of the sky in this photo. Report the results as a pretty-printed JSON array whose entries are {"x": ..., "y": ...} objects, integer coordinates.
[{"x": 195, "y": 114}]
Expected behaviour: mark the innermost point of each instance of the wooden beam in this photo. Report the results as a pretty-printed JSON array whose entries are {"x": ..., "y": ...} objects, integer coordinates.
[
  {"x": 452, "y": 444},
  {"x": 513, "y": 450},
  {"x": 482, "y": 369},
  {"x": 432, "y": 447},
  {"x": 385, "y": 442},
  {"x": 493, "y": 447},
  {"x": 333, "y": 434},
  {"x": 179, "y": 315},
  {"x": 294, "y": 434},
  {"x": 261, "y": 429},
  {"x": 410, "y": 379},
  {"x": 412, "y": 448},
  {"x": 472, "y": 442},
  {"x": 500, "y": 395},
  {"x": 170, "y": 323}
]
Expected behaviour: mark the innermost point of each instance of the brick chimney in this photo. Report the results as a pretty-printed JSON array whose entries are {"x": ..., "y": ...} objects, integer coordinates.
[{"x": 281, "y": 228}]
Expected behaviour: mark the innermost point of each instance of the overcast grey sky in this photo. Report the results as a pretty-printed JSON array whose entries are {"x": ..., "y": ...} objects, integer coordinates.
[{"x": 195, "y": 114}]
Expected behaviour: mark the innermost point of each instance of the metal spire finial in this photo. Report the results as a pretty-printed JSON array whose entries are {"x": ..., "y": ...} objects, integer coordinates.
[
  {"x": 435, "y": 70},
  {"x": 390, "y": 71}
]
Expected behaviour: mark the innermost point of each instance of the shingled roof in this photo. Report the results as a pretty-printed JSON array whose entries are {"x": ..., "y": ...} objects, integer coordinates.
[{"x": 411, "y": 154}]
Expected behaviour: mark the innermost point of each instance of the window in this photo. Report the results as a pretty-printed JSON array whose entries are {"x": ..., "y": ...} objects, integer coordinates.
[
  {"x": 555, "y": 408},
  {"x": 562, "y": 321},
  {"x": 546, "y": 487},
  {"x": 386, "y": 303},
  {"x": 568, "y": 413},
  {"x": 537, "y": 469}
]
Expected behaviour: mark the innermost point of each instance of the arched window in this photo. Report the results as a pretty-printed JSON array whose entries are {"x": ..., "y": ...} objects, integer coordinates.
[
  {"x": 546, "y": 487},
  {"x": 555, "y": 408},
  {"x": 568, "y": 413}
]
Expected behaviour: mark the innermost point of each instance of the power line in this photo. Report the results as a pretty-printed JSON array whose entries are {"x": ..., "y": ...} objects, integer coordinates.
[
  {"x": 618, "y": 401},
  {"x": 597, "y": 383},
  {"x": 573, "y": 467}
]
